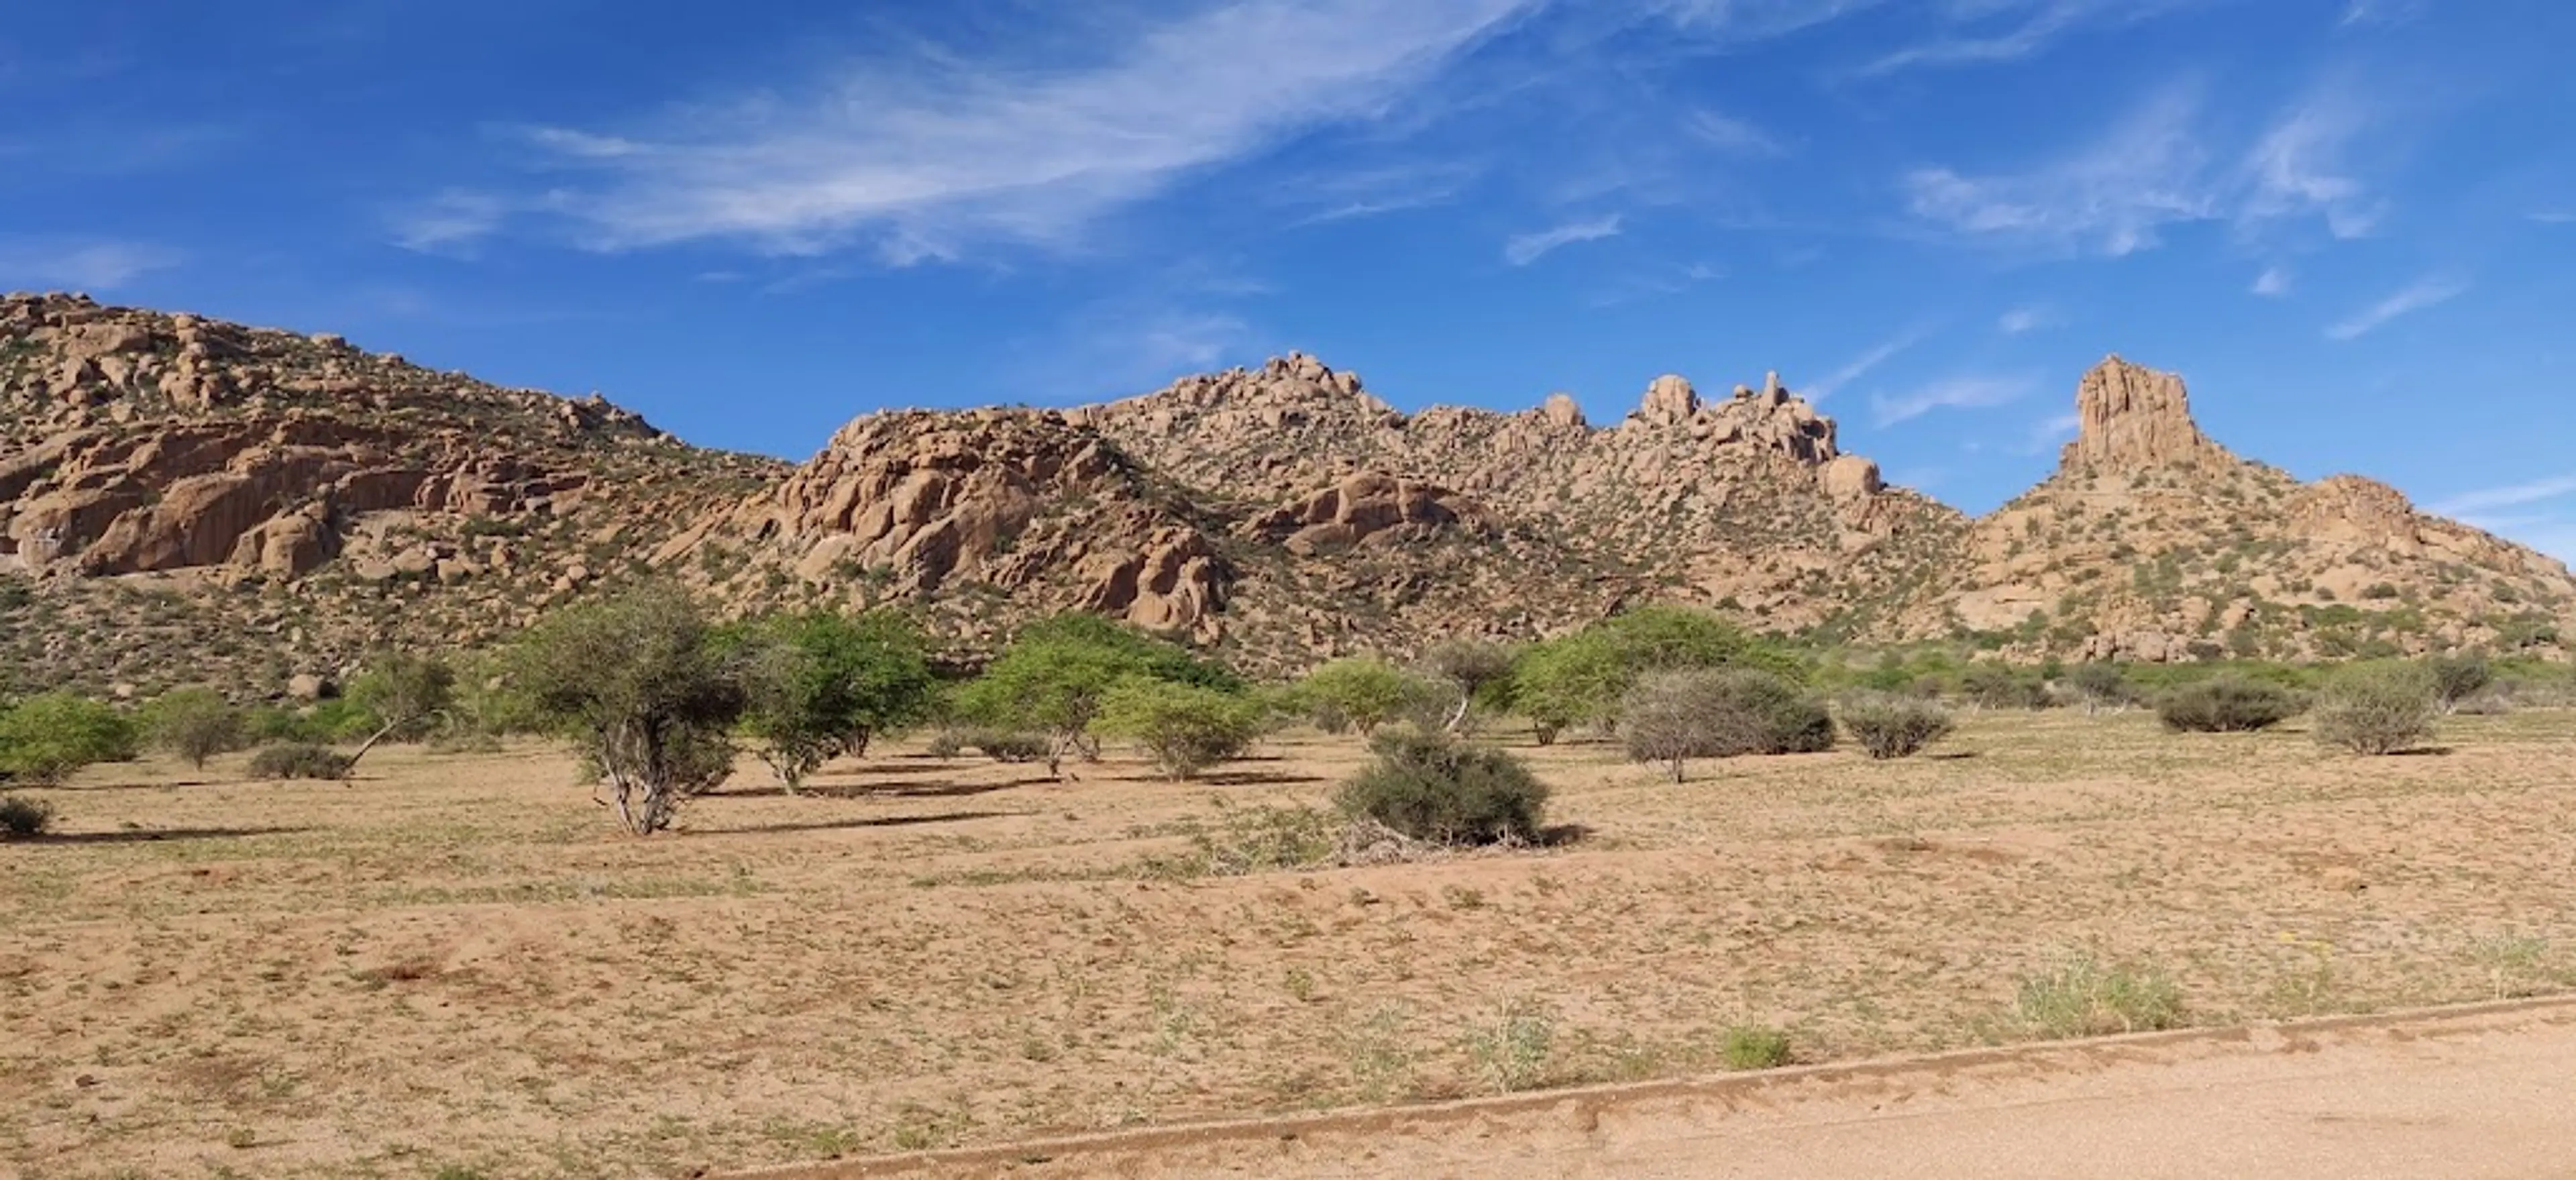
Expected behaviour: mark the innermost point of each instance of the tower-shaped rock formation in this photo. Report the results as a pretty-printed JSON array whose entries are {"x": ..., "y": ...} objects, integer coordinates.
[{"x": 2130, "y": 418}]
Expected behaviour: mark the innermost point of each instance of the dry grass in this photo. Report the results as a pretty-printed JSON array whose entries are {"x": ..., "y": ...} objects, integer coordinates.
[{"x": 454, "y": 965}]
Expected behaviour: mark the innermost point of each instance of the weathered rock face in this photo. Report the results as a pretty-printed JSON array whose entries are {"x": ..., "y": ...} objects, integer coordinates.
[
  {"x": 2129, "y": 418},
  {"x": 1370, "y": 508},
  {"x": 1023, "y": 502}
]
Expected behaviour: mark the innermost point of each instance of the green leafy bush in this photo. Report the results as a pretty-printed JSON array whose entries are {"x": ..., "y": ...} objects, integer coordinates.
[
  {"x": 1749, "y": 1046},
  {"x": 2225, "y": 703},
  {"x": 1430, "y": 787},
  {"x": 2378, "y": 708},
  {"x": 1890, "y": 726},
  {"x": 292, "y": 760},
  {"x": 1185, "y": 727},
  {"x": 193, "y": 723},
  {"x": 2099, "y": 685},
  {"x": 404, "y": 696},
  {"x": 2458, "y": 677},
  {"x": 818, "y": 686},
  {"x": 24, "y": 819},
  {"x": 1583, "y": 678},
  {"x": 46, "y": 737},
  {"x": 1055, "y": 675},
  {"x": 1362, "y": 692},
  {"x": 640, "y": 689}
]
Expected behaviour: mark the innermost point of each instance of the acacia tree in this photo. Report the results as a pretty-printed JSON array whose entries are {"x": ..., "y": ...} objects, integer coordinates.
[
  {"x": 46, "y": 737},
  {"x": 817, "y": 686},
  {"x": 639, "y": 687},
  {"x": 1185, "y": 727},
  {"x": 1583, "y": 678},
  {"x": 406, "y": 694},
  {"x": 1479, "y": 670},
  {"x": 1056, "y": 674},
  {"x": 193, "y": 723},
  {"x": 1365, "y": 690}
]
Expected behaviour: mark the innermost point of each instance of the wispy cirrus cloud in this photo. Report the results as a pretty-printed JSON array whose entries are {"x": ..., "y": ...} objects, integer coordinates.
[
  {"x": 2022, "y": 320},
  {"x": 2482, "y": 500},
  {"x": 2048, "y": 433},
  {"x": 2273, "y": 283},
  {"x": 452, "y": 221},
  {"x": 84, "y": 265},
  {"x": 2414, "y": 297},
  {"x": 1859, "y": 366},
  {"x": 925, "y": 161},
  {"x": 1956, "y": 393},
  {"x": 2162, "y": 166},
  {"x": 1524, "y": 249}
]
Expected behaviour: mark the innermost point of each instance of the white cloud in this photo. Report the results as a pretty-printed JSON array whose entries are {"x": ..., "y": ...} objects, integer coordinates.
[
  {"x": 2296, "y": 169},
  {"x": 2273, "y": 283},
  {"x": 1730, "y": 134},
  {"x": 1859, "y": 366},
  {"x": 1957, "y": 393},
  {"x": 2112, "y": 196},
  {"x": 1524, "y": 249},
  {"x": 2416, "y": 296},
  {"x": 451, "y": 221},
  {"x": 88, "y": 266},
  {"x": 2160, "y": 166},
  {"x": 2509, "y": 496},
  {"x": 2380, "y": 12},
  {"x": 2047, "y": 434},
  {"x": 2022, "y": 319},
  {"x": 927, "y": 160},
  {"x": 2554, "y": 217}
]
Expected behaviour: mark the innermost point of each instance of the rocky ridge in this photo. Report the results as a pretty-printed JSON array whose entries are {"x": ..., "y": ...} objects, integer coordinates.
[{"x": 184, "y": 497}]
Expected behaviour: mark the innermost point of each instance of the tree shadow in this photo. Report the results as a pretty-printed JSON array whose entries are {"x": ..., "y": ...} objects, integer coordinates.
[
  {"x": 154, "y": 835},
  {"x": 2423, "y": 752},
  {"x": 930, "y": 790},
  {"x": 832, "y": 825},
  {"x": 1254, "y": 778},
  {"x": 1953, "y": 756}
]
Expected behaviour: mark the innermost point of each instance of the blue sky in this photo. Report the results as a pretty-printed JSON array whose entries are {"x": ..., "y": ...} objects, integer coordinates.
[{"x": 2350, "y": 223}]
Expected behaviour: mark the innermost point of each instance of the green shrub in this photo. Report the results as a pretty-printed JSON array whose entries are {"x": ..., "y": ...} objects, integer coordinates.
[
  {"x": 2378, "y": 708},
  {"x": 1675, "y": 715},
  {"x": 2084, "y": 998},
  {"x": 1184, "y": 727},
  {"x": 2100, "y": 686},
  {"x": 193, "y": 723},
  {"x": 1582, "y": 679},
  {"x": 1432, "y": 788},
  {"x": 1753, "y": 1046},
  {"x": 405, "y": 696},
  {"x": 1362, "y": 692},
  {"x": 292, "y": 760},
  {"x": 24, "y": 819},
  {"x": 1997, "y": 686},
  {"x": 1003, "y": 745},
  {"x": 2458, "y": 677},
  {"x": 640, "y": 688},
  {"x": 1892, "y": 726},
  {"x": 1055, "y": 675},
  {"x": 44, "y": 738},
  {"x": 818, "y": 686},
  {"x": 2225, "y": 703}
]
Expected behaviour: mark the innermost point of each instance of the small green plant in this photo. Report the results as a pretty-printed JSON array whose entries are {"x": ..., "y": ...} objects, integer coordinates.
[
  {"x": 1432, "y": 788},
  {"x": 1754, "y": 1046},
  {"x": 22, "y": 818},
  {"x": 2083, "y": 997},
  {"x": 1512, "y": 1052},
  {"x": 2378, "y": 708},
  {"x": 294, "y": 760},
  {"x": 2225, "y": 703},
  {"x": 1892, "y": 726}
]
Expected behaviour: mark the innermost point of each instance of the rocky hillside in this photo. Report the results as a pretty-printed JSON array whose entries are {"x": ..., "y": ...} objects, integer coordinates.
[
  {"x": 186, "y": 499},
  {"x": 2152, "y": 542},
  {"x": 181, "y": 494}
]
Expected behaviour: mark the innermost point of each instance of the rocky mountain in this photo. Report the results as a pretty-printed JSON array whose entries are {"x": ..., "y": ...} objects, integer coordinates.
[
  {"x": 2152, "y": 542},
  {"x": 187, "y": 499},
  {"x": 179, "y": 494}
]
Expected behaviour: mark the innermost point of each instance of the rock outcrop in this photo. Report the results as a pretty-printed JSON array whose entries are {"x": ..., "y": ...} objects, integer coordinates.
[
  {"x": 1370, "y": 508},
  {"x": 2129, "y": 418},
  {"x": 909, "y": 504}
]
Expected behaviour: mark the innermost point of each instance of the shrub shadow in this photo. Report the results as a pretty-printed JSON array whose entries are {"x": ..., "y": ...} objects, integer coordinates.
[
  {"x": 154, "y": 835},
  {"x": 831, "y": 825}
]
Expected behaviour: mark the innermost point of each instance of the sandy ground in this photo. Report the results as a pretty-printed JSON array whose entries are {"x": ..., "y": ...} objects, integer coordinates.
[
  {"x": 454, "y": 968},
  {"x": 2482, "y": 1091}
]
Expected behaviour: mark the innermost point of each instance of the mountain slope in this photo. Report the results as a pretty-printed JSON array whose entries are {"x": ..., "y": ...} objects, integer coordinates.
[{"x": 182, "y": 499}]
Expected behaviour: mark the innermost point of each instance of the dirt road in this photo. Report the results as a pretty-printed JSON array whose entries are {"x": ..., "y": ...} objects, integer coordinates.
[{"x": 2486, "y": 1091}]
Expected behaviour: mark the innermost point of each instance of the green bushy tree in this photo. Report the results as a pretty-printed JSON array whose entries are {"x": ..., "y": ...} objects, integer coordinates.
[
  {"x": 1582, "y": 678},
  {"x": 638, "y": 685},
  {"x": 44, "y": 738},
  {"x": 817, "y": 686},
  {"x": 1056, "y": 673},
  {"x": 1185, "y": 727},
  {"x": 193, "y": 723},
  {"x": 1364, "y": 691},
  {"x": 1431, "y": 787}
]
